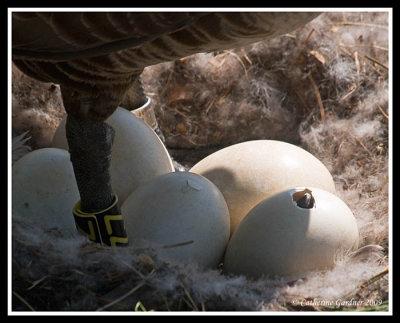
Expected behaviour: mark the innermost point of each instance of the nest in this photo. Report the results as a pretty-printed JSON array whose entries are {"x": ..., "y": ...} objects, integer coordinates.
[
  {"x": 324, "y": 88},
  {"x": 52, "y": 272}
]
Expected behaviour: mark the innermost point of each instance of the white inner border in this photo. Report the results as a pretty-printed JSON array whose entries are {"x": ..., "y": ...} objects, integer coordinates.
[{"x": 9, "y": 150}]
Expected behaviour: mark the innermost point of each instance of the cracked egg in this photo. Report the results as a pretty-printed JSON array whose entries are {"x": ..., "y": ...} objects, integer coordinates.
[{"x": 291, "y": 233}]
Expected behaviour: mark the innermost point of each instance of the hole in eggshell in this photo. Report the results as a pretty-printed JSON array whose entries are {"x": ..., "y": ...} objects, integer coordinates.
[{"x": 303, "y": 198}]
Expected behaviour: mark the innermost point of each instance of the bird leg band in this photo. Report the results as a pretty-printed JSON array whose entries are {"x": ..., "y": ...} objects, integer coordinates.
[{"x": 105, "y": 226}]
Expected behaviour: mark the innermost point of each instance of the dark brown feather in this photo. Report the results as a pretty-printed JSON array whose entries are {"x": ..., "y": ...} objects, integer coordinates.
[{"x": 101, "y": 53}]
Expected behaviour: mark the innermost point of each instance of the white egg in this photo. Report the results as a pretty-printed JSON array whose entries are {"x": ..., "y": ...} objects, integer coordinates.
[
  {"x": 181, "y": 214},
  {"x": 44, "y": 189},
  {"x": 138, "y": 155},
  {"x": 282, "y": 236},
  {"x": 248, "y": 172}
]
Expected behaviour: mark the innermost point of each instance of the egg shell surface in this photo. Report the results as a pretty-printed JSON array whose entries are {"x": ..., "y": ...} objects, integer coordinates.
[
  {"x": 181, "y": 214},
  {"x": 279, "y": 238},
  {"x": 44, "y": 189},
  {"x": 248, "y": 172}
]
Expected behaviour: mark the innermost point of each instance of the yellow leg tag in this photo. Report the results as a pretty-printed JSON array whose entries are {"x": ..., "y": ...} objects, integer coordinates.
[{"x": 105, "y": 227}]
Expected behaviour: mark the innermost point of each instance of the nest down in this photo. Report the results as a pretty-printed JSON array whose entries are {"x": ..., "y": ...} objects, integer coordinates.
[
  {"x": 323, "y": 87},
  {"x": 86, "y": 276}
]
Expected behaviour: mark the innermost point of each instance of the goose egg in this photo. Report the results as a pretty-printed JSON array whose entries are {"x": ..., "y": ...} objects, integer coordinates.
[
  {"x": 44, "y": 189},
  {"x": 291, "y": 233},
  {"x": 182, "y": 214},
  {"x": 248, "y": 172}
]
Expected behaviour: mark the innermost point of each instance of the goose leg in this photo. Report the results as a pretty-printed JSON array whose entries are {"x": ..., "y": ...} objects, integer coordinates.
[
  {"x": 97, "y": 214},
  {"x": 90, "y": 149},
  {"x": 135, "y": 97}
]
